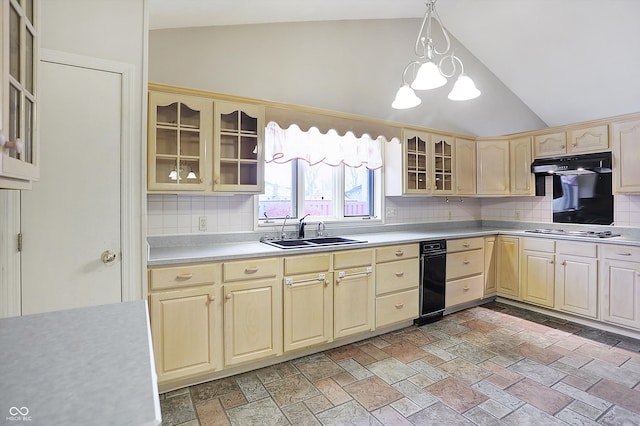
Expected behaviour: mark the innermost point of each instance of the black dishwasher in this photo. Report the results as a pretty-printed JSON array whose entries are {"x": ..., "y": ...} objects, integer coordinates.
[{"x": 433, "y": 265}]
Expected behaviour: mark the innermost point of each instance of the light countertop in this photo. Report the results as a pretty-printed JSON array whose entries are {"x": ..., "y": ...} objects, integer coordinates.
[
  {"x": 181, "y": 254},
  {"x": 85, "y": 366}
]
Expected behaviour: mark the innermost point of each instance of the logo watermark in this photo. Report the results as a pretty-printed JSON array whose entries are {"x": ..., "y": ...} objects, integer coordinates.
[{"x": 18, "y": 414}]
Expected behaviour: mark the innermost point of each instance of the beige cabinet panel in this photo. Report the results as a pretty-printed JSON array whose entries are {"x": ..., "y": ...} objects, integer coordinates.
[
  {"x": 508, "y": 266},
  {"x": 464, "y": 263},
  {"x": 576, "y": 284},
  {"x": 250, "y": 269},
  {"x": 464, "y": 290},
  {"x": 179, "y": 128},
  {"x": 294, "y": 265},
  {"x": 463, "y": 244},
  {"x": 393, "y": 253},
  {"x": 238, "y": 147},
  {"x": 352, "y": 259},
  {"x": 252, "y": 320},
  {"x": 184, "y": 332},
  {"x": 396, "y": 276},
  {"x": 353, "y": 302},
  {"x": 625, "y": 143},
  {"x": 19, "y": 157},
  {"x": 308, "y": 310},
  {"x": 182, "y": 276},
  {"x": 521, "y": 178},
  {"x": 550, "y": 145},
  {"x": 620, "y": 293},
  {"x": 538, "y": 277},
  {"x": 396, "y": 307},
  {"x": 490, "y": 284},
  {"x": 590, "y": 139},
  {"x": 493, "y": 168},
  {"x": 465, "y": 171}
]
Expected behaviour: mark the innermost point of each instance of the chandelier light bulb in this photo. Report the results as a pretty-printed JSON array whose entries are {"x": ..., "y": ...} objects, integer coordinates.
[
  {"x": 464, "y": 89},
  {"x": 405, "y": 98},
  {"x": 428, "y": 77}
]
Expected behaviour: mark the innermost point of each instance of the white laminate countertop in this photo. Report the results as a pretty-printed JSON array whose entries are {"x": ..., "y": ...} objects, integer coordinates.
[
  {"x": 85, "y": 366},
  {"x": 237, "y": 250}
]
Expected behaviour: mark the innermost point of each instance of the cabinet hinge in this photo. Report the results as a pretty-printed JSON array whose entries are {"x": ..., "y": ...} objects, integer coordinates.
[{"x": 20, "y": 242}]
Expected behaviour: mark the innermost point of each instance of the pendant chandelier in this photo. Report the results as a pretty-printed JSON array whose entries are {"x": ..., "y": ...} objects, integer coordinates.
[{"x": 431, "y": 75}]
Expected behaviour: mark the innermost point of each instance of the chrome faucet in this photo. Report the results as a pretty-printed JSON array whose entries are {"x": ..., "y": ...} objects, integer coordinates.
[
  {"x": 321, "y": 229},
  {"x": 283, "y": 235},
  {"x": 301, "y": 226}
]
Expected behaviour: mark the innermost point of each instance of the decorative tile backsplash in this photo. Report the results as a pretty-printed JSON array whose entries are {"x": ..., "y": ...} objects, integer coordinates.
[{"x": 181, "y": 214}]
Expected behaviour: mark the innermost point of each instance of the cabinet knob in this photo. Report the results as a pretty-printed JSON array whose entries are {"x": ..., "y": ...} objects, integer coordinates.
[
  {"x": 399, "y": 305},
  {"x": 399, "y": 274},
  {"x": 466, "y": 288},
  {"x": 399, "y": 253},
  {"x": 184, "y": 277},
  {"x": 326, "y": 283},
  {"x": 551, "y": 261},
  {"x": 18, "y": 145},
  {"x": 466, "y": 262},
  {"x": 250, "y": 270},
  {"x": 466, "y": 245},
  {"x": 212, "y": 298},
  {"x": 562, "y": 146},
  {"x": 338, "y": 281},
  {"x": 228, "y": 296},
  {"x": 564, "y": 263},
  {"x": 574, "y": 144}
]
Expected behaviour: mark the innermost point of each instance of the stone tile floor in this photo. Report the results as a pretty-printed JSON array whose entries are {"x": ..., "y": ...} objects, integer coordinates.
[{"x": 489, "y": 365}]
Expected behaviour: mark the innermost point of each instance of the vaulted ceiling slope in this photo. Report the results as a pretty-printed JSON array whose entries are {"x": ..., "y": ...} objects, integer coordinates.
[{"x": 566, "y": 60}]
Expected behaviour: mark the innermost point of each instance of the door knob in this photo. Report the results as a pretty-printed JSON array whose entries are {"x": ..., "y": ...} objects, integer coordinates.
[{"x": 108, "y": 257}]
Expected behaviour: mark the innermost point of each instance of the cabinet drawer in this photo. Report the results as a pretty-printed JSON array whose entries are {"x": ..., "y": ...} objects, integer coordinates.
[
  {"x": 464, "y": 263},
  {"x": 352, "y": 259},
  {"x": 576, "y": 249},
  {"x": 539, "y": 244},
  {"x": 400, "y": 275},
  {"x": 397, "y": 307},
  {"x": 295, "y": 265},
  {"x": 391, "y": 253},
  {"x": 464, "y": 244},
  {"x": 463, "y": 290},
  {"x": 250, "y": 269},
  {"x": 628, "y": 253},
  {"x": 182, "y": 276}
]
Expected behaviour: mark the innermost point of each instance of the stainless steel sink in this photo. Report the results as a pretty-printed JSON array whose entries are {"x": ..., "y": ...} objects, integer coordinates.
[{"x": 312, "y": 242}]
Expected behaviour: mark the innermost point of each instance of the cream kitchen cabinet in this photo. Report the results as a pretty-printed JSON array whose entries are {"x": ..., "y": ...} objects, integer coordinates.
[
  {"x": 179, "y": 129},
  {"x": 464, "y": 271},
  {"x": 574, "y": 141},
  {"x": 353, "y": 292},
  {"x": 490, "y": 282},
  {"x": 493, "y": 167},
  {"x": 252, "y": 305},
  {"x": 19, "y": 155},
  {"x": 238, "y": 148},
  {"x": 620, "y": 285},
  {"x": 538, "y": 271},
  {"x": 397, "y": 276},
  {"x": 465, "y": 170},
  {"x": 508, "y": 266},
  {"x": 625, "y": 141},
  {"x": 428, "y": 162},
  {"x": 576, "y": 278},
  {"x": 307, "y": 301},
  {"x": 185, "y": 316},
  {"x": 520, "y": 159}
]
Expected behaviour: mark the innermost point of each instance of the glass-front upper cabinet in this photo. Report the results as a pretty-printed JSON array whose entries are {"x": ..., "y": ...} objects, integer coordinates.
[
  {"x": 179, "y": 130},
  {"x": 18, "y": 140},
  {"x": 417, "y": 162},
  {"x": 238, "y": 143},
  {"x": 443, "y": 160}
]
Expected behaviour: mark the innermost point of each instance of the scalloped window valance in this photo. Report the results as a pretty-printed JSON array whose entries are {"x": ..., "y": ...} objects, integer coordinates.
[{"x": 313, "y": 146}]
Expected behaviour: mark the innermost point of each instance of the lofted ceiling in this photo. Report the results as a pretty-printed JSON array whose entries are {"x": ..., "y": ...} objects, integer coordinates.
[{"x": 567, "y": 60}]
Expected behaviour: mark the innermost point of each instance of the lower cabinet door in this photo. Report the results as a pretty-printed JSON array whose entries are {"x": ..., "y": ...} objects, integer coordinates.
[
  {"x": 308, "y": 310},
  {"x": 464, "y": 290},
  {"x": 620, "y": 293},
  {"x": 538, "y": 278},
  {"x": 183, "y": 331},
  {"x": 352, "y": 302},
  {"x": 252, "y": 320},
  {"x": 397, "y": 307},
  {"x": 577, "y": 285}
]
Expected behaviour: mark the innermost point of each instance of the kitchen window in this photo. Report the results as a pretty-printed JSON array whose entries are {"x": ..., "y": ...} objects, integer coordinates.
[{"x": 328, "y": 176}]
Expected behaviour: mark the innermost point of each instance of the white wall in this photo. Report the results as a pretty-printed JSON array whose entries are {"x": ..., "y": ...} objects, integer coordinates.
[{"x": 348, "y": 66}]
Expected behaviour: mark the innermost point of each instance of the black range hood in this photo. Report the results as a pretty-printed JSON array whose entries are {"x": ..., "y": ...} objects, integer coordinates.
[{"x": 570, "y": 165}]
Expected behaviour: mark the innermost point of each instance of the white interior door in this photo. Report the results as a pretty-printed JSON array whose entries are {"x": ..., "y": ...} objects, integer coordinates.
[{"x": 73, "y": 214}]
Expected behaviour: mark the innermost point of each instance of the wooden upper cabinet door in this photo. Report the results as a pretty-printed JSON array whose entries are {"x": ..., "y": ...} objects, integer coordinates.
[
  {"x": 521, "y": 178},
  {"x": 465, "y": 171},
  {"x": 493, "y": 167},
  {"x": 550, "y": 145},
  {"x": 443, "y": 176},
  {"x": 418, "y": 162},
  {"x": 625, "y": 143},
  {"x": 591, "y": 139}
]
